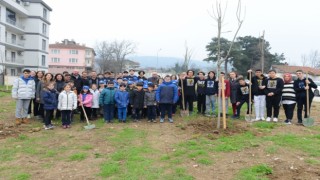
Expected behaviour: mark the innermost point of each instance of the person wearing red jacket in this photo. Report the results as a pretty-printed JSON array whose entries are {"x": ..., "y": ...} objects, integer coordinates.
[{"x": 226, "y": 93}]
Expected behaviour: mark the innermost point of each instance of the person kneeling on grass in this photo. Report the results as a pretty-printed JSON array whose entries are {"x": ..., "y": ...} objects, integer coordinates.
[
  {"x": 106, "y": 100},
  {"x": 166, "y": 96},
  {"x": 242, "y": 96},
  {"x": 49, "y": 95},
  {"x": 122, "y": 99},
  {"x": 66, "y": 104}
]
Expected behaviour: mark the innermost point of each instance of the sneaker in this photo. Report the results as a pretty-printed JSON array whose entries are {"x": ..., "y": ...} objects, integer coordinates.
[
  {"x": 161, "y": 120},
  {"x": 262, "y": 118},
  {"x": 51, "y": 126},
  {"x": 29, "y": 116},
  {"x": 288, "y": 122},
  {"x": 268, "y": 119},
  {"x": 275, "y": 120},
  {"x": 257, "y": 119},
  {"x": 208, "y": 115},
  {"x": 154, "y": 121},
  {"x": 149, "y": 121},
  {"x": 135, "y": 120},
  {"x": 64, "y": 127},
  {"x": 170, "y": 120},
  {"x": 47, "y": 127},
  {"x": 68, "y": 126}
]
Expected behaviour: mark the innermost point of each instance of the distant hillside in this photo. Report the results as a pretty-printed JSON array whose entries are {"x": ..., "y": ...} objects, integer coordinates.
[{"x": 165, "y": 62}]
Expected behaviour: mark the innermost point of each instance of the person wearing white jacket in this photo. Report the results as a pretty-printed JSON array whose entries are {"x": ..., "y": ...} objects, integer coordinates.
[
  {"x": 67, "y": 103},
  {"x": 23, "y": 91},
  {"x": 95, "y": 100}
]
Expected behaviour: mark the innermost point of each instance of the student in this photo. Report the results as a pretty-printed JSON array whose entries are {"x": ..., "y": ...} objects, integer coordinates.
[
  {"x": 50, "y": 102},
  {"x": 211, "y": 92},
  {"x": 23, "y": 90},
  {"x": 130, "y": 89},
  {"x": 288, "y": 97},
  {"x": 189, "y": 83},
  {"x": 141, "y": 75},
  {"x": 137, "y": 101},
  {"x": 122, "y": 99},
  {"x": 131, "y": 76},
  {"x": 48, "y": 77},
  {"x": 166, "y": 96},
  {"x": 85, "y": 100},
  {"x": 234, "y": 86},
  {"x": 273, "y": 90},
  {"x": 226, "y": 94},
  {"x": 106, "y": 100},
  {"x": 32, "y": 75},
  {"x": 259, "y": 96},
  {"x": 36, "y": 105},
  {"x": 150, "y": 103},
  {"x": 58, "y": 85},
  {"x": 242, "y": 96},
  {"x": 67, "y": 102},
  {"x": 201, "y": 94},
  {"x": 95, "y": 101},
  {"x": 101, "y": 85},
  {"x": 300, "y": 86}
]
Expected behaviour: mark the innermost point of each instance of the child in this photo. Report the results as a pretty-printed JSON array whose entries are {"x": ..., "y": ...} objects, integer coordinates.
[
  {"x": 130, "y": 89},
  {"x": 67, "y": 103},
  {"x": 95, "y": 101},
  {"x": 49, "y": 95},
  {"x": 242, "y": 96},
  {"x": 166, "y": 96},
  {"x": 137, "y": 101},
  {"x": 122, "y": 99},
  {"x": 101, "y": 86},
  {"x": 150, "y": 103},
  {"x": 85, "y": 100},
  {"x": 106, "y": 100}
]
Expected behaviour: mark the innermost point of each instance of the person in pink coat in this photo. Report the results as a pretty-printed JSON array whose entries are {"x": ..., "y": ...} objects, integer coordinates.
[{"x": 85, "y": 100}]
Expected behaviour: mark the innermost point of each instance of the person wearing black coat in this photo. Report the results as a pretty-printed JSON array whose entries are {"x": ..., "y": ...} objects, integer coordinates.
[
  {"x": 189, "y": 83},
  {"x": 201, "y": 93},
  {"x": 300, "y": 87},
  {"x": 77, "y": 81},
  {"x": 234, "y": 85},
  {"x": 59, "y": 86},
  {"x": 137, "y": 101}
]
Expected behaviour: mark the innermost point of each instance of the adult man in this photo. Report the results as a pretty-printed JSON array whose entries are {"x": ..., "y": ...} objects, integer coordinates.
[
  {"x": 23, "y": 91},
  {"x": 131, "y": 76},
  {"x": 154, "y": 78},
  {"x": 94, "y": 78},
  {"x": 273, "y": 90},
  {"x": 301, "y": 85},
  {"x": 259, "y": 96},
  {"x": 77, "y": 80},
  {"x": 67, "y": 78},
  {"x": 85, "y": 79}
]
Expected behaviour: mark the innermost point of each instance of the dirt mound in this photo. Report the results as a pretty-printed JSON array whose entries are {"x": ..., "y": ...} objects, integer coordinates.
[{"x": 8, "y": 131}]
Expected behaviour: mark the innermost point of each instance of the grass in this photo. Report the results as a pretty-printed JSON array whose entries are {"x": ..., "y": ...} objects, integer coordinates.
[
  {"x": 265, "y": 125},
  {"x": 22, "y": 176},
  {"x": 78, "y": 156},
  {"x": 257, "y": 172},
  {"x": 312, "y": 161},
  {"x": 236, "y": 142},
  {"x": 271, "y": 149}
]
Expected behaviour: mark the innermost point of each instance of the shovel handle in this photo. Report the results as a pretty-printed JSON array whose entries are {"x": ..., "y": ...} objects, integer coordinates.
[{"x": 85, "y": 114}]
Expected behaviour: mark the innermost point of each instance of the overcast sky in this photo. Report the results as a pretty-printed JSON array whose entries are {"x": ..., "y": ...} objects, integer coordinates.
[{"x": 291, "y": 26}]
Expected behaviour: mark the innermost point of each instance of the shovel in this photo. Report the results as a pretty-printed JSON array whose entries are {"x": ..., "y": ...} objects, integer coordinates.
[
  {"x": 183, "y": 112},
  {"x": 89, "y": 126},
  {"x": 308, "y": 121},
  {"x": 249, "y": 117}
]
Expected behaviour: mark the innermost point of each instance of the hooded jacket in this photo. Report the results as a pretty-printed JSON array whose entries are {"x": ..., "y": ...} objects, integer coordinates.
[
  {"x": 107, "y": 96},
  {"x": 167, "y": 93},
  {"x": 95, "y": 98},
  {"x": 23, "y": 88},
  {"x": 150, "y": 98},
  {"x": 67, "y": 100},
  {"x": 50, "y": 100},
  {"x": 211, "y": 86},
  {"x": 121, "y": 98}
]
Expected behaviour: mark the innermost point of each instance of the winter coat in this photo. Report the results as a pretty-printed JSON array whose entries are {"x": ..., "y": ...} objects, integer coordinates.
[
  {"x": 67, "y": 101},
  {"x": 39, "y": 90},
  {"x": 77, "y": 82},
  {"x": 167, "y": 93},
  {"x": 50, "y": 100},
  {"x": 59, "y": 86},
  {"x": 95, "y": 98},
  {"x": 137, "y": 99},
  {"x": 107, "y": 96},
  {"x": 94, "y": 81},
  {"x": 234, "y": 85},
  {"x": 23, "y": 88},
  {"x": 150, "y": 98},
  {"x": 87, "y": 102},
  {"x": 211, "y": 86},
  {"x": 122, "y": 99}
]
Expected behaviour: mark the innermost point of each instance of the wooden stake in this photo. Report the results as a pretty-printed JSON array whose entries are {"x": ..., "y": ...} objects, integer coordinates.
[{"x": 223, "y": 103}]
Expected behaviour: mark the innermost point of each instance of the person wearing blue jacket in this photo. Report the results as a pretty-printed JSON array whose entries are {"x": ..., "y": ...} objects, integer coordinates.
[
  {"x": 106, "y": 100},
  {"x": 122, "y": 99},
  {"x": 50, "y": 103},
  {"x": 166, "y": 96}
]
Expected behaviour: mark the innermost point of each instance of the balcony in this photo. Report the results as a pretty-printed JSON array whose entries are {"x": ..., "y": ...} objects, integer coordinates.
[
  {"x": 14, "y": 26},
  {"x": 14, "y": 44},
  {"x": 14, "y": 62}
]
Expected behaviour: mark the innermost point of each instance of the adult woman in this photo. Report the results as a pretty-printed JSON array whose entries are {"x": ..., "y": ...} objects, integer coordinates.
[
  {"x": 36, "y": 105},
  {"x": 234, "y": 85},
  {"x": 59, "y": 84},
  {"x": 48, "y": 77},
  {"x": 288, "y": 97}
]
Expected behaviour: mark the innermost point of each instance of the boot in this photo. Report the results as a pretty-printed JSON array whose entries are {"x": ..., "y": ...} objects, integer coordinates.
[
  {"x": 25, "y": 121},
  {"x": 18, "y": 121}
]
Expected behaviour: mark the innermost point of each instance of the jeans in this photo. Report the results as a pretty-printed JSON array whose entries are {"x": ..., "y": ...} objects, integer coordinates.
[
  {"x": 288, "y": 110},
  {"x": 259, "y": 105},
  {"x": 22, "y": 108},
  {"x": 210, "y": 101},
  {"x": 66, "y": 117},
  {"x": 48, "y": 115},
  {"x": 273, "y": 102},
  {"x": 165, "y": 107},
  {"x": 151, "y": 110},
  {"x": 122, "y": 114},
  {"x": 201, "y": 103},
  {"x": 108, "y": 112}
]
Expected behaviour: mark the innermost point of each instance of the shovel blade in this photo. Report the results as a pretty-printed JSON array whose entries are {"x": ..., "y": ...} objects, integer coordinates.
[
  {"x": 308, "y": 122},
  {"x": 90, "y": 126}
]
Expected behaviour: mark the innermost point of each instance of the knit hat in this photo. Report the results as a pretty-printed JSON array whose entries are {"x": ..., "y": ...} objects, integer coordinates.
[
  {"x": 85, "y": 87},
  {"x": 139, "y": 84},
  {"x": 101, "y": 82}
]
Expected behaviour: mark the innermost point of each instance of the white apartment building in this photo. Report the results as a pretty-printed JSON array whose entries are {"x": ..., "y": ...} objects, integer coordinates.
[{"x": 24, "y": 37}]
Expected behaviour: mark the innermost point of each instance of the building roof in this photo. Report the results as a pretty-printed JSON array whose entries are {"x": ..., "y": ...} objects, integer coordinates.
[
  {"x": 69, "y": 44},
  {"x": 293, "y": 69},
  {"x": 39, "y": 1}
]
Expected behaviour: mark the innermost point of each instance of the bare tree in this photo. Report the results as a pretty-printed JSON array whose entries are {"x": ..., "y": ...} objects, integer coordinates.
[
  {"x": 104, "y": 56},
  {"x": 121, "y": 50},
  {"x": 304, "y": 60},
  {"x": 187, "y": 57},
  {"x": 314, "y": 58}
]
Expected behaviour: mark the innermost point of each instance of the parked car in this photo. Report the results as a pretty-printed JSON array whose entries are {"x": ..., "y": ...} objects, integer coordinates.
[{"x": 316, "y": 91}]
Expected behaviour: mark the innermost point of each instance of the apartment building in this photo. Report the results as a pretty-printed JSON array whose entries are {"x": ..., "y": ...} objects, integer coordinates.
[
  {"x": 24, "y": 36},
  {"x": 69, "y": 55}
]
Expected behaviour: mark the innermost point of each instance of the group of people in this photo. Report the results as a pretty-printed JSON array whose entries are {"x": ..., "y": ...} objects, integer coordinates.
[{"x": 108, "y": 95}]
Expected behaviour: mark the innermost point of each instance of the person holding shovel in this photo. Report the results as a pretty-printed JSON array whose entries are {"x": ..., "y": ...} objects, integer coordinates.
[{"x": 301, "y": 85}]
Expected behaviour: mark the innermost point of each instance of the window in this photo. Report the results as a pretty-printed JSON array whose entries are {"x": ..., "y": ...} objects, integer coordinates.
[
  {"x": 73, "y": 51},
  {"x": 11, "y": 17},
  {"x": 55, "y": 51},
  {"x": 88, "y": 52},
  {"x": 12, "y": 72},
  {"x": 13, "y": 39},
  {"x": 45, "y": 13},
  {"x": 73, "y": 60},
  {"x": 44, "y": 29},
  {"x": 44, "y": 44},
  {"x": 43, "y": 60},
  {"x": 13, "y": 56},
  {"x": 55, "y": 60}
]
